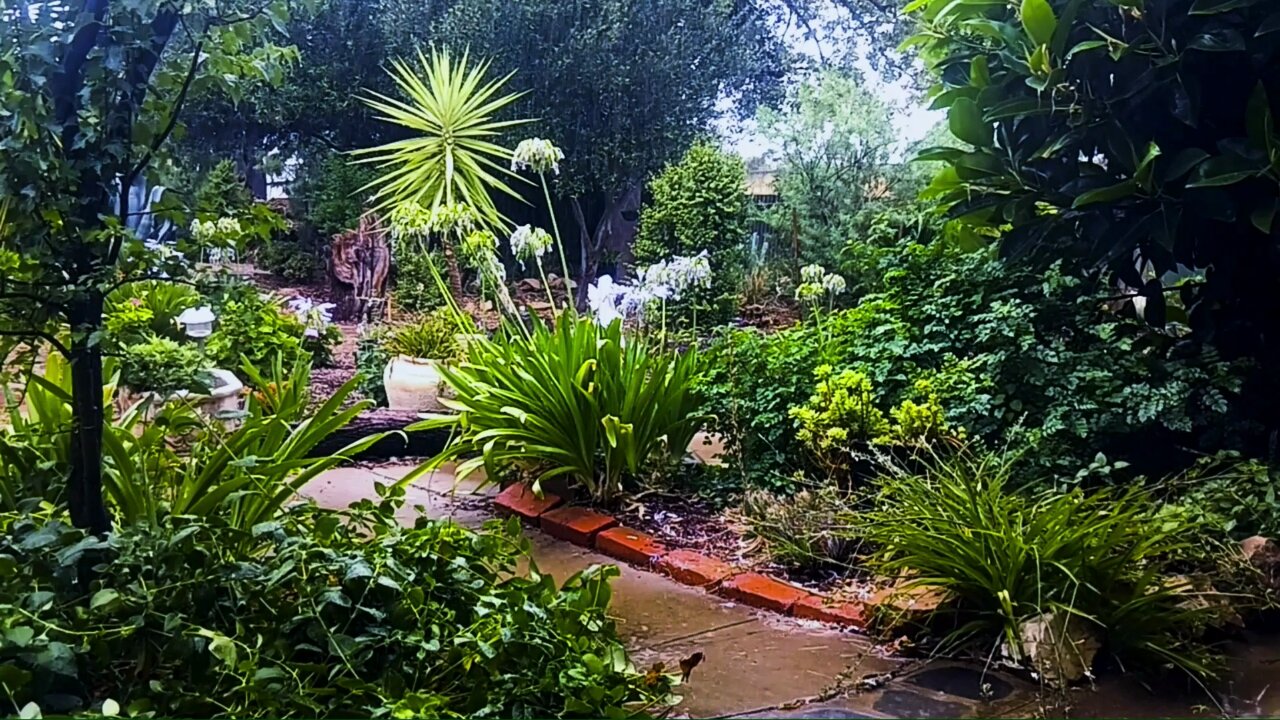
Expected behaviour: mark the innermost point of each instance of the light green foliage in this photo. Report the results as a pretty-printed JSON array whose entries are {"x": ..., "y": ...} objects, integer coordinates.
[
  {"x": 594, "y": 405},
  {"x": 810, "y": 529},
  {"x": 433, "y": 337},
  {"x": 315, "y": 614},
  {"x": 841, "y": 412},
  {"x": 1012, "y": 356},
  {"x": 138, "y": 310},
  {"x": 1004, "y": 556},
  {"x": 1151, "y": 132},
  {"x": 699, "y": 204},
  {"x": 416, "y": 290},
  {"x": 162, "y": 366}
]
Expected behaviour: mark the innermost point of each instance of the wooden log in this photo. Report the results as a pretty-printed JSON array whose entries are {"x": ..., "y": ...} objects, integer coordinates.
[{"x": 401, "y": 444}]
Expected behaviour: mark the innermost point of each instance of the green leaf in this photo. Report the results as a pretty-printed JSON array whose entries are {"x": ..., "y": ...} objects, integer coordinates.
[
  {"x": 1085, "y": 46},
  {"x": 1224, "y": 170},
  {"x": 1039, "y": 21},
  {"x": 110, "y": 708},
  {"x": 966, "y": 123},
  {"x": 222, "y": 647},
  {"x": 1258, "y": 118},
  {"x": 30, "y": 711},
  {"x": 979, "y": 74},
  {"x": 1217, "y": 41},
  {"x": 1270, "y": 25},
  {"x": 103, "y": 598},
  {"x": 20, "y": 636},
  {"x": 1212, "y": 7},
  {"x": 1264, "y": 216},
  {"x": 1184, "y": 162},
  {"x": 1106, "y": 194}
]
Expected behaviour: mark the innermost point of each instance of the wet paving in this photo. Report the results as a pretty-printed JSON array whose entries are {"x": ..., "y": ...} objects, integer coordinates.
[{"x": 761, "y": 665}]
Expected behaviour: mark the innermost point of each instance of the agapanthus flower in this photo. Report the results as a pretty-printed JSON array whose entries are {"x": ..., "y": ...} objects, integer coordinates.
[
  {"x": 603, "y": 297},
  {"x": 834, "y": 284},
  {"x": 809, "y": 291},
  {"x": 528, "y": 242},
  {"x": 316, "y": 317},
  {"x": 812, "y": 273},
  {"x": 538, "y": 155}
]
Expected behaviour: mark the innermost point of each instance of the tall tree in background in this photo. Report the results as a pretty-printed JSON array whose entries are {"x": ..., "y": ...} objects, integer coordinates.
[
  {"x": 92, "y": 92},
  {"x": 624, "y": 86}
]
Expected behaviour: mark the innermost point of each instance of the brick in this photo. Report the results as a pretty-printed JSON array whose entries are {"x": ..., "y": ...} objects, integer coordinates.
[
  {"x": 691, "y": 568},
  {"x": 817, "y": 607},
  {"x": 577, "y": 525},
  {"x": 519, "y": 500},
  {"x": 631, "y": 546},
  {"x": 761, "y": 591}
]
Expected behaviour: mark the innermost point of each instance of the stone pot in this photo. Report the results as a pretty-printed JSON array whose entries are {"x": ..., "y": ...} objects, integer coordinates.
[
  {"x": 223, "y": 400},
  {"x": 413, "y": 384}
]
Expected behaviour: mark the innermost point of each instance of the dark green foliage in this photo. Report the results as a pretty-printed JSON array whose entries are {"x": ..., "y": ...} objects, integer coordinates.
[
  {"x": 432, "y": 337},
  {"x": 699, "y": 204},
  {"x": 1241, "y": 497},
  {"x": 1032, "y": 359},
  {"x": 162, "y": 366},
  {"x": 329, "y": 189},
  {"x": 223, "y": 193},
  {"x": 371, "y": 362},
  {"x": 1005, "y": 556},
  {"x": 1139, "y": 136},
  {"x": 287, "y": 256},
  {"x": 311, "y": 614}
]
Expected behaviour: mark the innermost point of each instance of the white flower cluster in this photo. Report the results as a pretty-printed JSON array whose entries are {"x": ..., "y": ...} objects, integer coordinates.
[
  {"x": 538, "y": 155},
  {"x": 528, "y": 242},
  {"x": 223, "y": 230},
  {"x": 815, "y": 281},
  {"x": 665, "y": 280},
  {"x": 315, "y": 316}
]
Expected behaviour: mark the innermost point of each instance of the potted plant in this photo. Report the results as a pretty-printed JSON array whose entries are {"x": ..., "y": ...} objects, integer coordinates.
[{"x": 412, "y": 378}]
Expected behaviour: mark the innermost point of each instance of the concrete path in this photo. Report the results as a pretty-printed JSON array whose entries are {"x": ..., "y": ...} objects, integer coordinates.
[{"x": 761, "y": 665}]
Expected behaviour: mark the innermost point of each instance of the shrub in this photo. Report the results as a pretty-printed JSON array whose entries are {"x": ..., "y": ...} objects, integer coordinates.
[
  {"x": 289, "y": 258},
  {"x": 591, "y": 404},
  {"x": 434, "y": 337},
  {"x": 254, "y": 327},
  {"x": 330, "y": 190},
  {"x": 371, "y": 362},
  {"x": 415, "y": 290},
  {"x": 314, "y": 614},
  {"x": 1236, "y": 495},
  {"x": 163, "y": 366},
  {"x": 1036, "y": 360},
  {"x": 1108, "y": 557},
  {"x": 699, "y": 204}
]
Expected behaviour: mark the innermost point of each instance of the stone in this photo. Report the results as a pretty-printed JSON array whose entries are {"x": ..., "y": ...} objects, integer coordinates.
[
  {"x": 907, "y": 704},
  {"x": 761, "y": 591},
  {"x": 630, "y": 546},
  {"x": 1264, "y": 555},
  {"x": 690, "y": 568},
  {"x": 530, "y": 284},
  {"x": 1060, "y": 647},
  {"x": 577, "y": 525},
  {"x": 519, "y": 499},
  {"x": 827, "y": 610},
  {"x": 907, "y": 603}
]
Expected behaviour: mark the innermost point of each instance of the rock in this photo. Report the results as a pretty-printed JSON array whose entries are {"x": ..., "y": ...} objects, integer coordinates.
[
  {"x": 1059, "y": 647},
  {"x": 905, "y": 603},
  {"x": 1264, "y": 555},
  {"x": 531, "y": 284},
  {"x": 1200, "y": 594}
]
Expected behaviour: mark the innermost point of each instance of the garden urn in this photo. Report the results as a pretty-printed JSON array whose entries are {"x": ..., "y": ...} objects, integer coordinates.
[{"x": 413, "y": 384}]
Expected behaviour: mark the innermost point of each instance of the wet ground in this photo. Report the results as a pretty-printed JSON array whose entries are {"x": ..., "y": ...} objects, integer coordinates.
[{"x": 761, "y": 665}]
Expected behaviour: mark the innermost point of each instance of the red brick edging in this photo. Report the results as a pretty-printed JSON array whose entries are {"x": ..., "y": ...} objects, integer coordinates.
[{"x": 603, "y": 534}]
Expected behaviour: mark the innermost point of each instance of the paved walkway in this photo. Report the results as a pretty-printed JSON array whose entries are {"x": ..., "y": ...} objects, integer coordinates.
[{"x": 759, "y": 664}]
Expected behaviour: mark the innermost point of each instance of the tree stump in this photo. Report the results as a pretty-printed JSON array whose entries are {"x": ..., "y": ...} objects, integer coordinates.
[{"x": 359, "y": 263}]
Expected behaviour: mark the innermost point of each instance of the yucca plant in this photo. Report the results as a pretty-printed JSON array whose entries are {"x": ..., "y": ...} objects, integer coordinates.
[
  {"x": 1004, "y": 556},
  {"x": 594, "y": 404},
  {"x": 246, "y": 475}
]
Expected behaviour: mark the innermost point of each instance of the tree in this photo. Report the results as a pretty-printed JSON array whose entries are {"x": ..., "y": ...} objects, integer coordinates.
[
  {"x": 1138, "y": 138},
  {"x": 624, "y": 87},
  {"x": 834, "y": 142},
  {"x": 93, "y": 90}
]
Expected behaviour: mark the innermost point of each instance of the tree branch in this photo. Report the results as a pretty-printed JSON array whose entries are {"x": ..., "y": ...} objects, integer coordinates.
[
  {"x": 174, "y": 112},
  {"x": 37, "y": 334}
]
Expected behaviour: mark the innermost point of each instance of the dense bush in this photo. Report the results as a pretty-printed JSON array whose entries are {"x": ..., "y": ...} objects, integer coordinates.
[
  {"x": 1238, "y": 496},
  {"x": 311, "y": 614},
  {"x": 163, "y": 366},
  {"x": 1113, "y": 559},
  {"x": 371, "y": 360},
  {"x": 593, "y": 405},
  {"x": 260, "y": 328},
  {"x": 699, "y": 204},
  {"x": 1036, "y": 360},
  {"x": 329, "y": 189},
  {"x": 415, "y": 290}
]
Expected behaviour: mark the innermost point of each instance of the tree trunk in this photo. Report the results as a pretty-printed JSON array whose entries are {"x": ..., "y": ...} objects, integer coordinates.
[
  {"x": 452, "y": 269},
  {"x": 84, "y": 484}
]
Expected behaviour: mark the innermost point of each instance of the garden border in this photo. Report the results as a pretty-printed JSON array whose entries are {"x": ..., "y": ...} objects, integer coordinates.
[{"x": 604, "y": 534}]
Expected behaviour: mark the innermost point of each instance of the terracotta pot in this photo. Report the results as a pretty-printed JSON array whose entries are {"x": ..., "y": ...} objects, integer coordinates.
[{"x": 413, "y": 384}]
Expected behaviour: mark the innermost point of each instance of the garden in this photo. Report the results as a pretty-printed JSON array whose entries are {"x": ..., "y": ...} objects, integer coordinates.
[{"x": 1007, "y": 385}]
